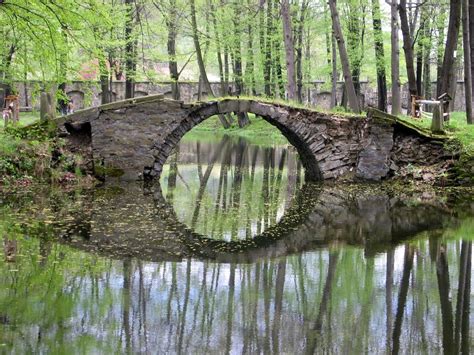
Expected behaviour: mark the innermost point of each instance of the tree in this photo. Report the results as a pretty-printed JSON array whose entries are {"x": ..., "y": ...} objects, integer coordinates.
[
  {"x": 379, "y": 57},
  {"x": 355, "y": 23},
  {"x": 445, "y": 81},
  {"x": 467, "y": 60},
  {"x": 267, "y": 66},
  {"x": 169, "y": 10},
  {"x": 299, "y": 50},
  {"x": 289, "y": 49},
  {"x": 130, "y": 47},
  {"x": 395, "y": 59},
  {"x": 197, "y": 46},
  {"x": 471, "y": 37},
  {"x": 349, "y": 84},
  {"x": 408, "y": 50},
  {"x": 200, "y": 60}
]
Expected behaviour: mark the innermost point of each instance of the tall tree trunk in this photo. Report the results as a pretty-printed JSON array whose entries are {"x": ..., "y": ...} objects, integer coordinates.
[
  {"x": 351, "y": 93},
  {"x": 276, "y": 64},
  {"x": 171, "y": 24},
  {"x": 379, "y": 57},
  {"x": 299, "y": 52},
  {"x": 5, "y": 75},
  {"x": 395, "y": 58},
  {"x": 200, "y": 60},
  {"x": 242, "y": 118},
  {"x": 218, "y": 50},
  {"x": 441, "y": 24},
  {"x": 334, "y": 72},
  {"x": 471, "y": 38},
  {"x": 289, "y": 49},
  {"x": 446, "y": 78},
  {"x": 420, "y": 50},
  {"x": 408, "y": 50},
  {"x": 355, "y": 41},
  {"x": 104, "y": 79},
  {"x": 197, "y": 46},
  {"x": 236, "y": 50},
  {"x": 130, "y": 50},
  {"x": 466, "y": 35},
  {"x": 268, "y": 51},
  {"x": 427, "y": 60},
  {"x": 250, "y": 67},
  {"x": 61, "y": 97}
]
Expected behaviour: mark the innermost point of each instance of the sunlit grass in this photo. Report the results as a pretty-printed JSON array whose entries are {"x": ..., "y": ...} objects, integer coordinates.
[
  {"x": 457, "y": 128},
  {"x": 10, "y": 144},
  {"x": 27, "y": 118},
  {"x": 258, "y": 131},
  {"x": 338, "y": 110}
]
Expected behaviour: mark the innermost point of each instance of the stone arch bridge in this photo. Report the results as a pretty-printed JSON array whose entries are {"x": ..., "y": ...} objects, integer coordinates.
[{"x": 132, "y": 139}]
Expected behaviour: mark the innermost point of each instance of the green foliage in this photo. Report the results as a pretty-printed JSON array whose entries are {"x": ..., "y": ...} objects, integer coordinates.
[
  {"x": 258, "y": 130},
  {"x": 26, "y": 155},
  {"x": 462, "y": 131}
]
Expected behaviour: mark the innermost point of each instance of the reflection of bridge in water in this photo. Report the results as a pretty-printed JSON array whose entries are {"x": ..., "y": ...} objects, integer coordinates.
[{"x": 320, "y": 216}]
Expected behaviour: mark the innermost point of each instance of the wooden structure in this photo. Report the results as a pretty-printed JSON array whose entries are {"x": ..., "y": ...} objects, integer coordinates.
[
  {"x": 11, "y": 109},
  {"x": 415, "y": 106},
  {"x": 440, "y": 107}
]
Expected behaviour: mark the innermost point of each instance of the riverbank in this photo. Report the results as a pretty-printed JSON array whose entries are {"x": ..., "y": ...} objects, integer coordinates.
[
  {"x": 30, "y": 153},
  {"x": 461, "y": 144}
]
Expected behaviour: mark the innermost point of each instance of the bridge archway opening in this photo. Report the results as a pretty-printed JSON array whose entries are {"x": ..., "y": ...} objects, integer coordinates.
[
  {"x": 230, "y": 188},
  {"x": 268, "y": 112}
]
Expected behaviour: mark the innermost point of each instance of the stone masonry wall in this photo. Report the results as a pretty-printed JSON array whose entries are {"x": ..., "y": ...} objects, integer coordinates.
[{"x": 132, "y": 139}]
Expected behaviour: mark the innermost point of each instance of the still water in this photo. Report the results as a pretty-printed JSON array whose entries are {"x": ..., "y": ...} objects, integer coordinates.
[{"x": 234, "y": 253}]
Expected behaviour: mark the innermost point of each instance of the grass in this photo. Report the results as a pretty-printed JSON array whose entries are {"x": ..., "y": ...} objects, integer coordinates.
[
  {"x": 462, "y": 131},
  {"x": 457, "y": 128},
  {"x": 10, "y": 144},
  {"x": 26, "y": 155},
  {"x": 27, "y": 118},
  {"x": 338, "y": 110}
]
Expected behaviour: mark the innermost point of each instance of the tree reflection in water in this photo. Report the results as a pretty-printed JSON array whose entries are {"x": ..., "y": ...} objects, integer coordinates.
[
  {"x": 74, "y": 279},
  {"x": 238, "y": 192}
]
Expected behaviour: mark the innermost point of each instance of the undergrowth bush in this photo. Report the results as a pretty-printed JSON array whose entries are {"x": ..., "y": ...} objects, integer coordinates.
[{"x": 32, "y": 153}]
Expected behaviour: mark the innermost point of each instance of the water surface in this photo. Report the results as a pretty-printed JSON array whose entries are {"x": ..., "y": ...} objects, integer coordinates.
[{"x": 234, "y": 253}]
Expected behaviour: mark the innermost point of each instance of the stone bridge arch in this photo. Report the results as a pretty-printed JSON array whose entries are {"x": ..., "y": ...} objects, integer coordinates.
[
  {"x": 289, "y": 122},
  {"x": 132, "y": 139}
]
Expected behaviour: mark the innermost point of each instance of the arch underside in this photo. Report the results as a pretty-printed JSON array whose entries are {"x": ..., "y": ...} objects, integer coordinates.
[{"x": 275, "y": 115}]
